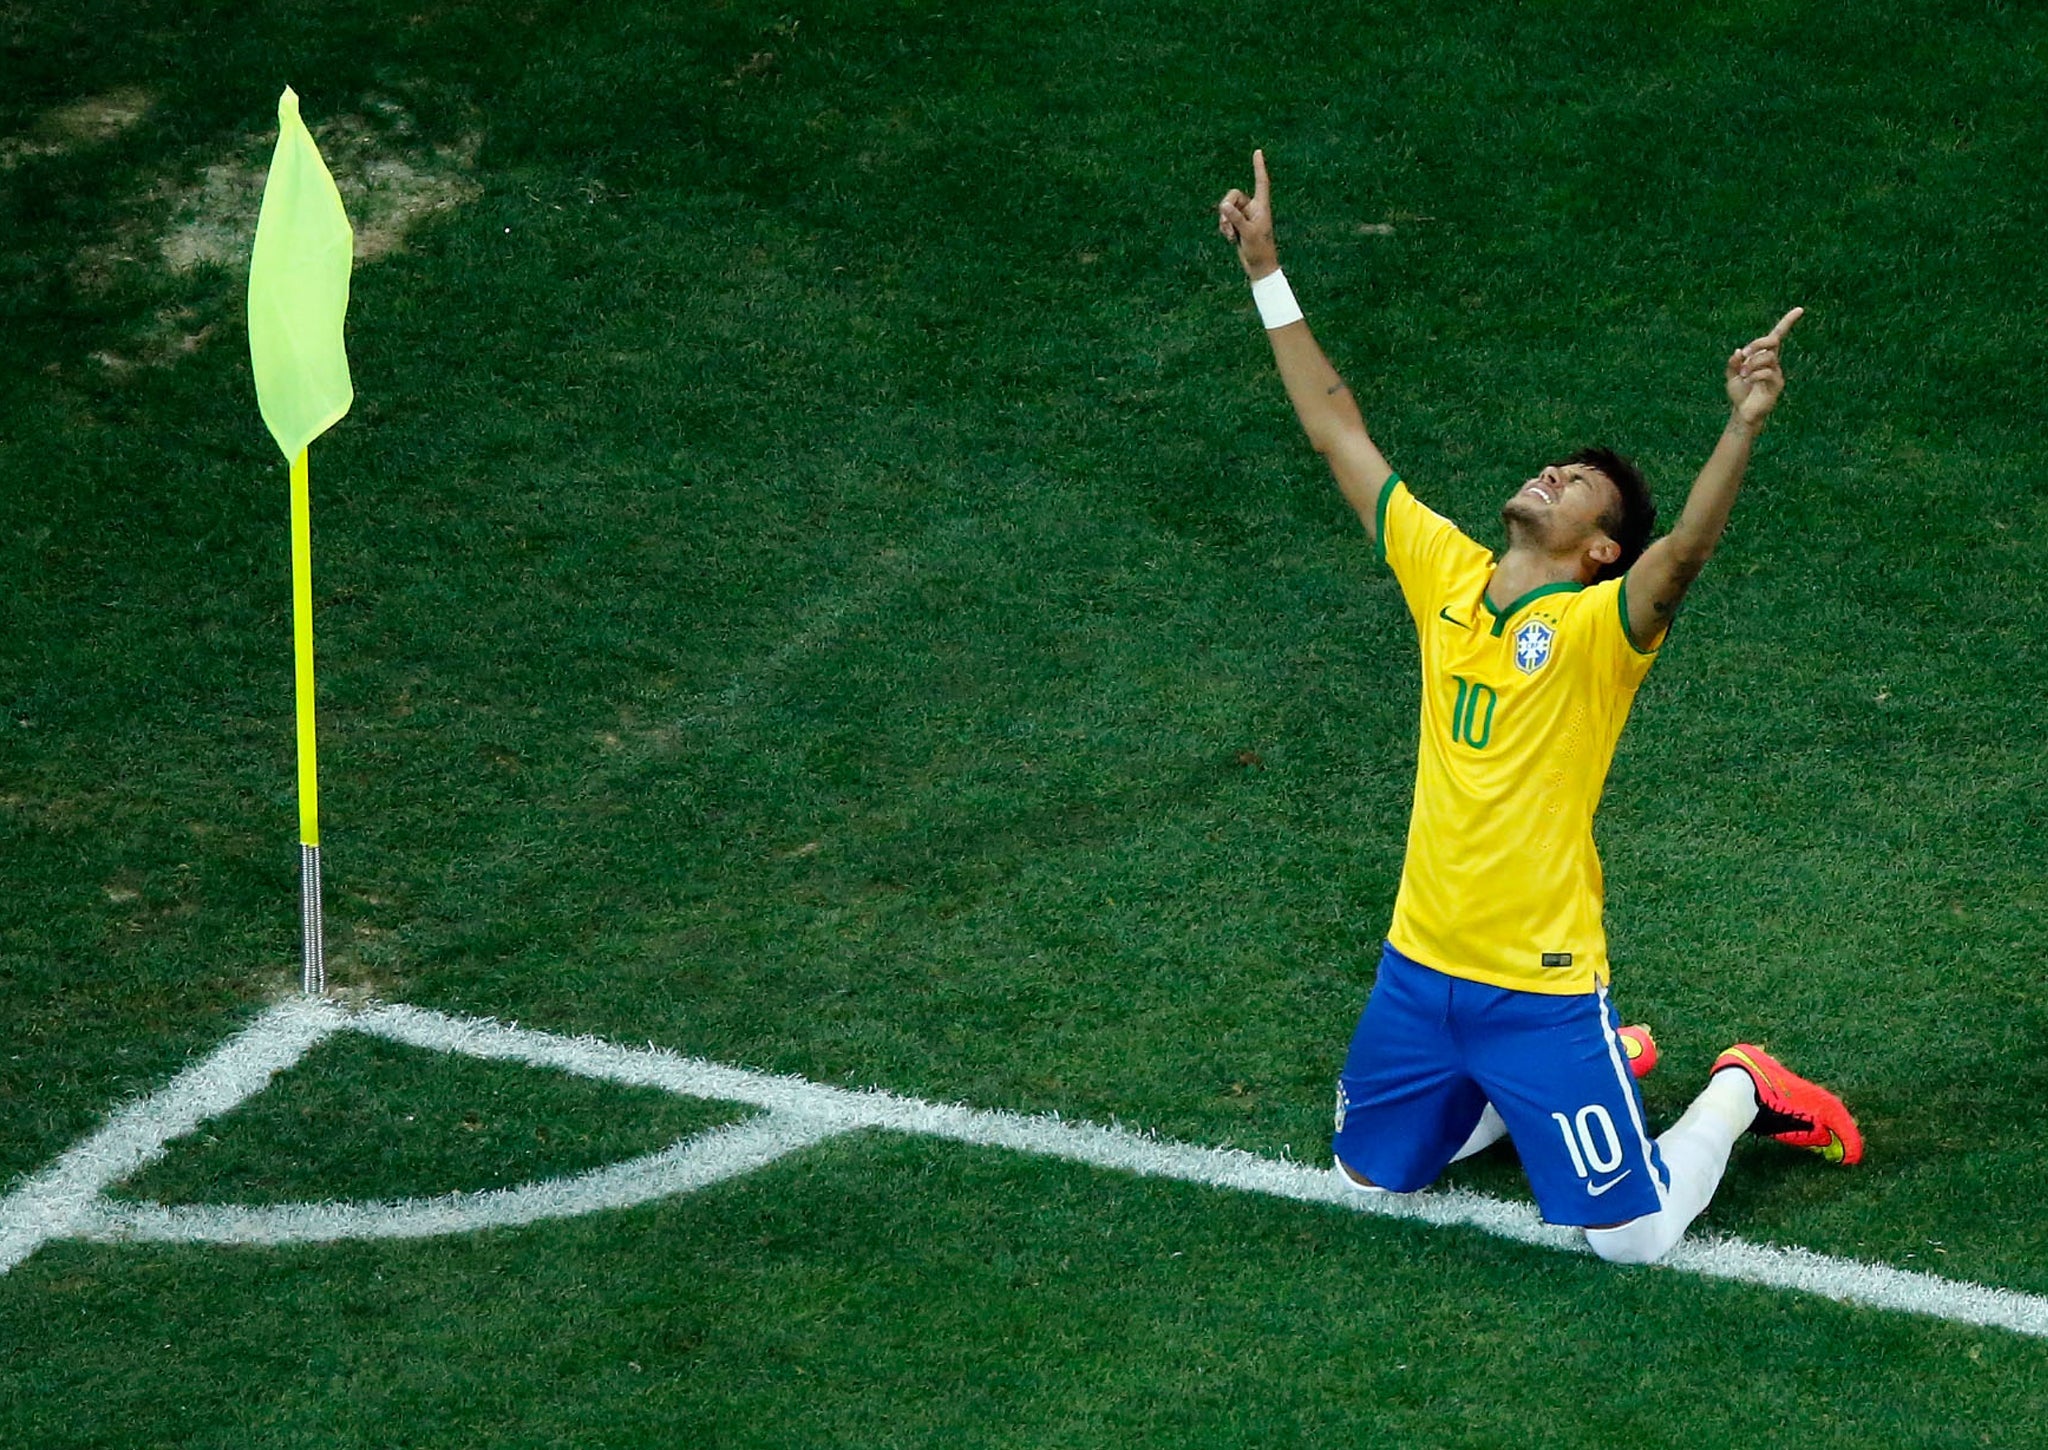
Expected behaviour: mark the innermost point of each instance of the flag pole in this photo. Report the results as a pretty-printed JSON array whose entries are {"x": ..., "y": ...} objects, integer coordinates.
[
  {"x": 312, "y": 935},
  {"x": 298, "y": 305}
]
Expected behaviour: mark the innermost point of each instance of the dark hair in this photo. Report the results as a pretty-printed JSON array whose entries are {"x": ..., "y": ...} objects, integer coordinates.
[{"x": 1631, "y": 524}]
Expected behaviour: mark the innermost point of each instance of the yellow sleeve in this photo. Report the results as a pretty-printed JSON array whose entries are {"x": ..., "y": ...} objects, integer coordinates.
[
  {"x": 1421, "y": 546},
  {"x": 1604, "y": 611}
]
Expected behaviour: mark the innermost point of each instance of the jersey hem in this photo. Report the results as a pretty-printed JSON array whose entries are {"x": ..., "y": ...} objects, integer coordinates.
[{"x": 1577, "y": 984}]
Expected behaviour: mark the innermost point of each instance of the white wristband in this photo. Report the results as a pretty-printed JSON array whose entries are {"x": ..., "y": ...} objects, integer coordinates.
[{"x": 1275, "y": 299}]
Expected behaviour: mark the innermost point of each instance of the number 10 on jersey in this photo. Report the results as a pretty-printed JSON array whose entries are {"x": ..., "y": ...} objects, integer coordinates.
[{"x": 1468, "y": 725}]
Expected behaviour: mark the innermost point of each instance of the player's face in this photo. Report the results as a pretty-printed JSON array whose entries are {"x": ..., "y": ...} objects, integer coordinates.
[{"x": 1561, "y": 507}]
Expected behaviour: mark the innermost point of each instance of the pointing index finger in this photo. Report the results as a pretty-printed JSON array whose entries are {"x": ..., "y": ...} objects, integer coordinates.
[
  {"x": 1785, "y": 323},
  {"x": 1261, "y": 188}
]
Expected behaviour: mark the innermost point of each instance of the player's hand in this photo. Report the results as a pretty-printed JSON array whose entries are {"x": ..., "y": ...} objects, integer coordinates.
[
  {"x": 1755, "y": 378},
  {"x": 1247, "y": 222}
]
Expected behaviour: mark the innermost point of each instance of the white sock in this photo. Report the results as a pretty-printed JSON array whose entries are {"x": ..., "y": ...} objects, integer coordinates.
[
  {"x": 1695, "y": 1152},
  {"x": 1731, "y": 1096},
  {"x": 1485, "y": 1133},
  {"x": 1696, "y": 1147}
]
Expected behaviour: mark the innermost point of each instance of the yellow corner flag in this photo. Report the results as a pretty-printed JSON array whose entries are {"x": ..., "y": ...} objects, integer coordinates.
[
  {"x": 298, "y": 300},
  {"x": 298, "y": 291}
]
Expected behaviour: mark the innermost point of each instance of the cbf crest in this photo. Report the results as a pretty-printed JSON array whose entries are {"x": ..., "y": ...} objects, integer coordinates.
[{"x": 1532, "y": 646}]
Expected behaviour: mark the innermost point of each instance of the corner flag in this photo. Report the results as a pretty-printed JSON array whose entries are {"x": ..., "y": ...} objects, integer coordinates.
[
  {"x": 298, "y": 299},
  {"x": 298, "y": 291}
]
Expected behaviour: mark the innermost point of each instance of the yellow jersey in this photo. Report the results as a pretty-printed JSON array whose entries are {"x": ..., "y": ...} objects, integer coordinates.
[{"x": 1521, "y": 709}]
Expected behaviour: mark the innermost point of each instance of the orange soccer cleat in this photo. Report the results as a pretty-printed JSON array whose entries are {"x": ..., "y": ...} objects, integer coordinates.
[
  {"x": 1796, "y": 1112},
  {"x": 1641, "y": 1048}
]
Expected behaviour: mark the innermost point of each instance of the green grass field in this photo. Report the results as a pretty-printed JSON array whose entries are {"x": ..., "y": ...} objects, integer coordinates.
[{"x": 821, "y": 576}]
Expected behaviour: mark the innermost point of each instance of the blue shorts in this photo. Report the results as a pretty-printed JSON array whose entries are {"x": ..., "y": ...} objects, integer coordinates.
[{"x": 1432, "y": 1050}]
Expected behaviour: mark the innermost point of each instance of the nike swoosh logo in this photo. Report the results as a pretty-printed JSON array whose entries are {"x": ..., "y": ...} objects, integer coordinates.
[
  {"x": 1596, "y": 1189},
  {"x": 1446, "y": 614}
]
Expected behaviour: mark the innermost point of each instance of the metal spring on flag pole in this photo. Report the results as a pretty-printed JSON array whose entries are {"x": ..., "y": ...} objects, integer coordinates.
[{"x": 312, "y": 936}]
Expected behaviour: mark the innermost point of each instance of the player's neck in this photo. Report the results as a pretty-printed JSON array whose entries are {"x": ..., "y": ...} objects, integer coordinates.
[{"x": 1525, "y": 567}]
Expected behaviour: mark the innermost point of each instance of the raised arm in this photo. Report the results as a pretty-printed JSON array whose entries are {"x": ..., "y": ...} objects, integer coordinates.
[
  {"x": 1659, "y": 579},
  {"x": 1328, "y": 413}
]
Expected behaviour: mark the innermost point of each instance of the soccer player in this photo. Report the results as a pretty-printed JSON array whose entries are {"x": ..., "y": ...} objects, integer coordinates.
[{"x": 1490, "y": 1011}]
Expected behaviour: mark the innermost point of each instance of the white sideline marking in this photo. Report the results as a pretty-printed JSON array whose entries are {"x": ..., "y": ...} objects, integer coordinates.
[{"x": 66, "y": 1200}]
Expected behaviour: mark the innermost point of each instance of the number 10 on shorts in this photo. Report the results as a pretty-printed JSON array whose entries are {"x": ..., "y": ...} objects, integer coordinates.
[{"x": 1586, "y": 1136}]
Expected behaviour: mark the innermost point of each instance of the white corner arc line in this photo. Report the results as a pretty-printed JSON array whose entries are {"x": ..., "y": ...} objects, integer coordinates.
[
  {"x": 684, "y": 1167},
  {"x": 53, "y": 1203},
  {"x": 65, "y": 1200}
]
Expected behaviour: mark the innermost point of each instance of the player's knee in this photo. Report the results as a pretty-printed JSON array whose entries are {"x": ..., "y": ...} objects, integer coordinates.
[
  {"x": 1357, "y": 1182},
  {"x": 1639, "y": 1241}
]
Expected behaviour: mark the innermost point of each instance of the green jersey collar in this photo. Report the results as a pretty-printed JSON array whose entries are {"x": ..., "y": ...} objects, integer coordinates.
[{"x": 1501, "y": 616}]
